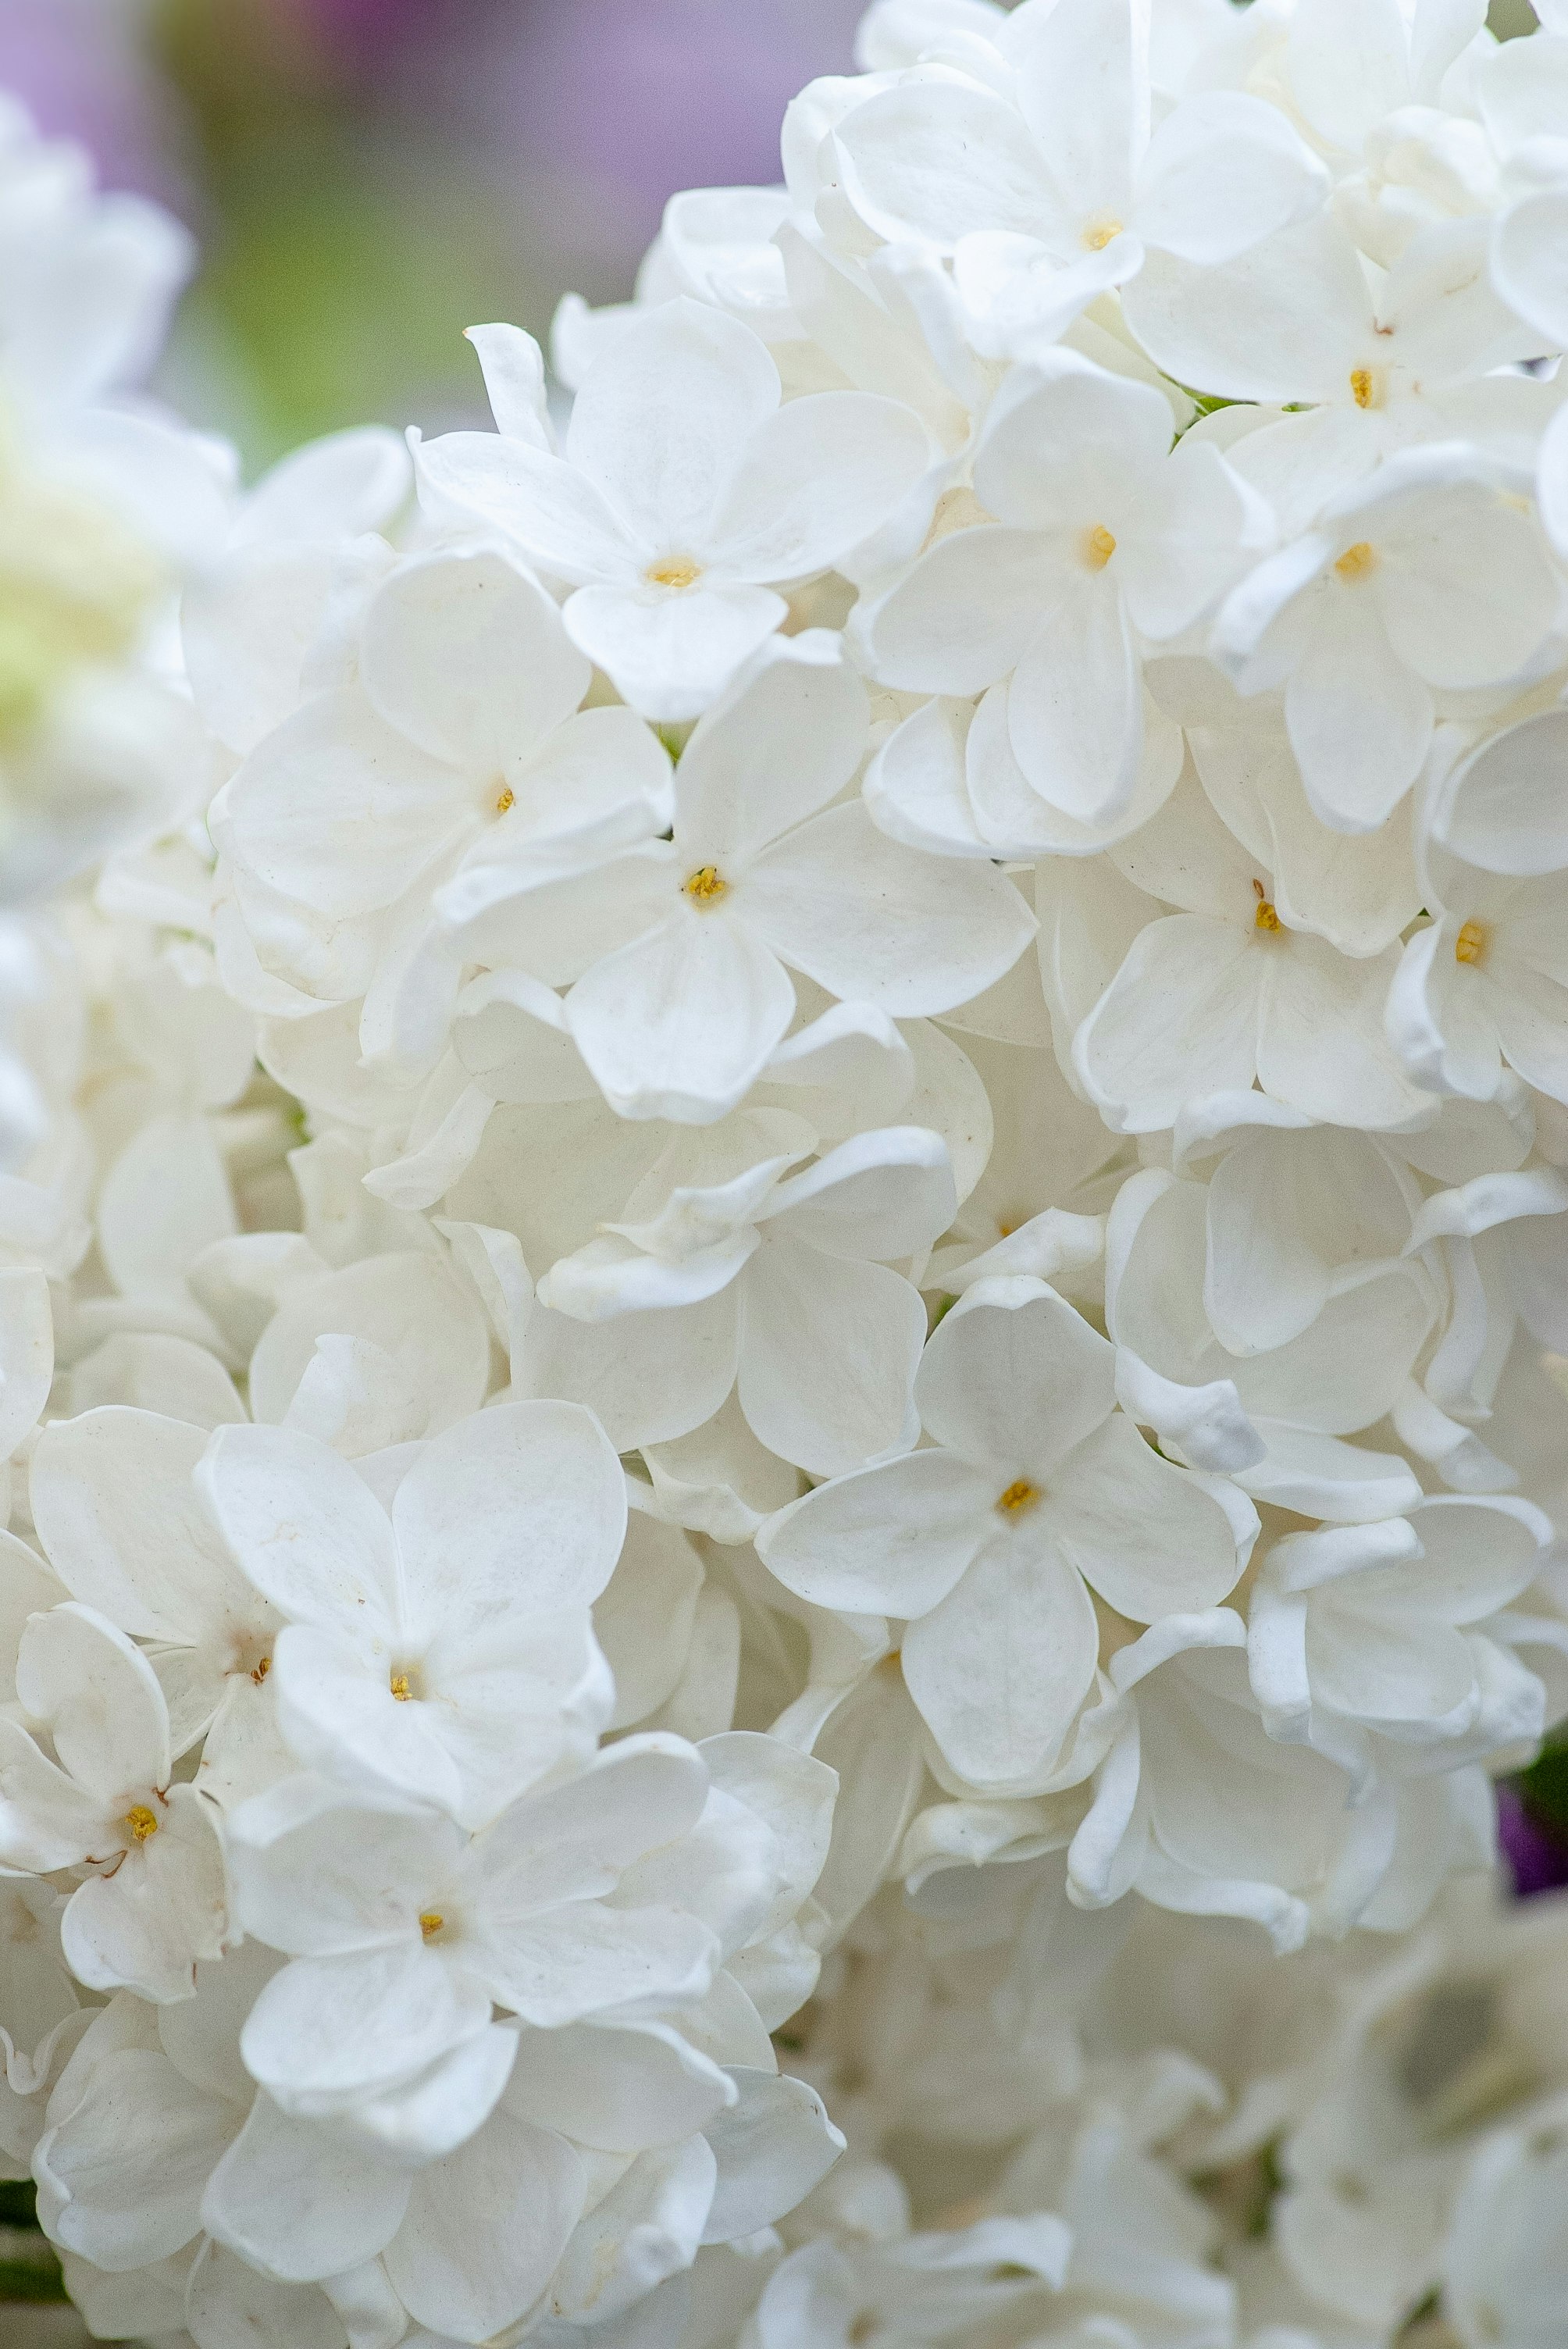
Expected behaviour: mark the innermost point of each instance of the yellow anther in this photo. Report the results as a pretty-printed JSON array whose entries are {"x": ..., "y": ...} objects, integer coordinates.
[
  {"x": 1099, "y": 546},
  {"x": 706, "y": 885},
  {"x": 675, "y": 571},
  {"x": 1357, "y": 561},
  {"x": 505, "y": 800},
  {"x": 431, "y": 1922},
  {"x": 1019, "y": 1495},
  {"x": 400, "y": 1688},
  {"x": 141, "y": 1822},
  {"x": 1266, "y": 918},
  {"x": 261, "y": 1669},
  {"x": 1471, "y": 943},
  {"x": 1364, "y": 388},
  {"x": 1099, "y": 236}
]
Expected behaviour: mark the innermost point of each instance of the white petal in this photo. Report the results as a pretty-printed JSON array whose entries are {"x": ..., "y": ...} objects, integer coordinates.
[
  {"x": 1528, "y": 261},
  {"x": 965, "y": 614},
  {"x": 889, "y": 1540},
  {"x": 1223, "y": 171},
  {"x": 338, "y": 811},
  {"x": 619, "y": 2088},
  {"x": 1146, "y": 1535},
  {"x": 1179, "y": 1021},
  {"x": 1075, "y": 707},
  {"x": 304, "y": 1528},
  {"x": 326, "y": 2032},
  {"x": 287, "y": 2198},
  {"x": 820, "y": 475},
  {"x": 545, "y": 506},
  {"x": 941, "y": 160},
  {"x": 1000, "y": 1668},
  {"x": 664, "y": 417},
  {"x": 523, "y": 1505},
  {"x": 1360, "y": 722},
  {"x": 1015, "y": 1378},
  {"x": 829, "y": 1349},
  {"x": 100, "y": 1698},
  {"x": 680, "y": 1022},
  {"x": 112, "y": 1499},
  {"x": 1286, "y": 320},
  {"x": 875, "y": 922},
  {"x": 781, "y": 742},
  {"x": 463, "y": 653},
  {"x": 485, "y": 2229},
  {"x": 772, "y": 2147},
  {"x": 670, "y": 651}
]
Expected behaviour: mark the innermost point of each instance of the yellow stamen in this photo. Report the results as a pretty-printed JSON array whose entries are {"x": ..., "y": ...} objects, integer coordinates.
[
  {"x": 1364, "y": 388},
  {"x": 263, "y": 1669},
  {"x": 675, "y": 571},
  {"x": 706, "y": 885},
  {"x": 507, "y": 798},
  {"x": 1471, "y": 943},
  {"x": 400, "y": 1688},
  {"x": 1099, "y": 546},
  {"x": 1019, "y": 1497},
  {"x": 141, "y": 1822},
  {"x": 431, "y": 1922},
  {"x": 1357, "y": 561},
  {"x": 1266, "y": 918},
  {"x": 1099, "y": 236}
]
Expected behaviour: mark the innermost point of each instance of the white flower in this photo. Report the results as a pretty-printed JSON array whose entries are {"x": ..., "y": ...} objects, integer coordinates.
[
  {"x": 1036, "y": 1491},
  {"x": 678, "y": 952},
  {"x": 1484, "y": 983},
  {"x": 1230, "y": 991},
  {"x": 441, "y": 1649},
  {"x": 1429, "y": 577},
  {"x": 687, "y": 496},
  {"x": 123, "y": 1527},
  {"x": 404, "y": 1932},
  {"x": 1275, "y": 1417},
  {"x": 1168, "y": 1814},
  {"x": 1101, "y": 534},
  {"x": 1382, "y": 1629},
  {"x": 780, "y": 1285},
  {"x": 1060, "y": 152},
  {"x": 152, "y": 1901}
]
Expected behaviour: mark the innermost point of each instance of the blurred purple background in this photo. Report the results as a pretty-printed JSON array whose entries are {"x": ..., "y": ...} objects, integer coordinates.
[{"x": 369, "y": 176}]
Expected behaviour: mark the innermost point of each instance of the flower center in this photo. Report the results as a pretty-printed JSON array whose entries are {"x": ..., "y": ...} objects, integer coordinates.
[
  {"x": 505, "y": 798},
  {"x": 141, "y": 1821},
  {"x": 1266, "y": 918},
  {"x": 1471, "y": 943},
  {"x": 1019, "y": 1497},
  {"x": 1099, "y": 546},
  {"x": 1097, "y": 237},
  {"x": 261, "y": 1670},
  {"x": 1357, "y": 561},
  {"x": 706, "y": 886},
  {"x": 1366, "y": 386},
  {"x": 401, "y": 1684},
  {"x": 675, "y": 570},
  {"x": 431, "y": 1923}
]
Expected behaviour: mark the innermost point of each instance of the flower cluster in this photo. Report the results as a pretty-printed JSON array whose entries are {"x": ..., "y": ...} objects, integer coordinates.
[{"x": 782, "y": 1278}]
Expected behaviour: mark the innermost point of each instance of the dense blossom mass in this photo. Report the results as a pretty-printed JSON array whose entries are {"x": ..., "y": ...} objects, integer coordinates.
[{"x": 783, "y": 1280}]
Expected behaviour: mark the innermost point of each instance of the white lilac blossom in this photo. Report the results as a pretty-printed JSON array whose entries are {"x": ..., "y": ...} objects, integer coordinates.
[{"x": 783, "y": 1266}]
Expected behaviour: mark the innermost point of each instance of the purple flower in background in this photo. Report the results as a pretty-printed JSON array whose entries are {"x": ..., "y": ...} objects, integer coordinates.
[
  {"x": 1538, "y": 1858},
  {"x": 591, "y": 116},
  {"x": 79, "y": 67}
]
